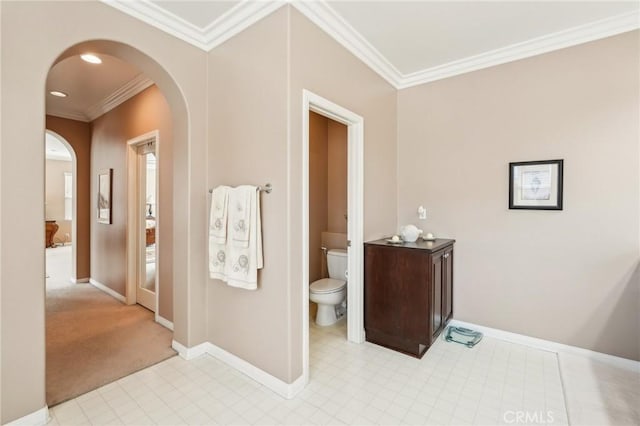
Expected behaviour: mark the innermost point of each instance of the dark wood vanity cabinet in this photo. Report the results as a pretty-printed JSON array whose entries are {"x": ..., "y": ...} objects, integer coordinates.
[
  {"x": 441, "y": 289},
  {"x": 408, "y": 293}
]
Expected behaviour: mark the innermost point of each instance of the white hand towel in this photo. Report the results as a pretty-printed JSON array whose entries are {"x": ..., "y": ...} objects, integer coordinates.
[
  {"x": 240, "y": 199},
  {"x": 217, "y": 259},
  {"x": 242, "y": 263},
  {"x": 218, "y": 232},
  {"x": 218, "y": 214}
]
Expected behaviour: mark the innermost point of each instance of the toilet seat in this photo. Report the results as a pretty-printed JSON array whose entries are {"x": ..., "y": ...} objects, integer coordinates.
[{"x": 327, "y": 285}]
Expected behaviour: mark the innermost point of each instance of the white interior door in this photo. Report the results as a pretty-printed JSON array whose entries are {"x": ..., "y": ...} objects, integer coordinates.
[{"x": 147, "y": 231}]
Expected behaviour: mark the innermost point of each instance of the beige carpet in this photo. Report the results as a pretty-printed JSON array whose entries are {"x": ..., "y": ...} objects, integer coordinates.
[{"x": 93, "y": 339}]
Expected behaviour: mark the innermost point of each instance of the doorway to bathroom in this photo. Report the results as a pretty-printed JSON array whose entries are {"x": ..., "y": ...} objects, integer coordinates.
[
  {"x": 327, "y": 220},
  {"x": 337, "y": 223}
]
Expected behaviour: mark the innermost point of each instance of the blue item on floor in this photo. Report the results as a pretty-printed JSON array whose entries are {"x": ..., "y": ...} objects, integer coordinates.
[{"x": 464, "y": 336}]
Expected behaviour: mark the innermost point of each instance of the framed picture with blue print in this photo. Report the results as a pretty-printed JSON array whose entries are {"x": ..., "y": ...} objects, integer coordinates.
[{"x": 536, "y": 185}]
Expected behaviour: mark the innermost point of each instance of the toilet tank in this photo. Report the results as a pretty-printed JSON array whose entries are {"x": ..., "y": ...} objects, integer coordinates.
[{"x": 337, "y": 262}]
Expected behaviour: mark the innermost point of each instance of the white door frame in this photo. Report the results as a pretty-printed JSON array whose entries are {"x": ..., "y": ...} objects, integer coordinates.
[
  {"x": 133, "y": 217},
  {"x": 355, "y": 215}
]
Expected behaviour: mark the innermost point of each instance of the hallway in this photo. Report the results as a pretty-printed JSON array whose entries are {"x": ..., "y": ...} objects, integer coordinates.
[{"x": 93, "y": 339}]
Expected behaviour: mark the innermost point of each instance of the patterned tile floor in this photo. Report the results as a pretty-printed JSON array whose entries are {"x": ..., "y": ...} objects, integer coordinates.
[
  {"x": 600, "y": 394},
  {"x": 494, "y": 383}
]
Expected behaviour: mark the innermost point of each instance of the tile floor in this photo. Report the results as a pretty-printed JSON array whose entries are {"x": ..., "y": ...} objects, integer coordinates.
[
  {"x": 493, "y": 383},
  {"x": 599, "y": 394}
]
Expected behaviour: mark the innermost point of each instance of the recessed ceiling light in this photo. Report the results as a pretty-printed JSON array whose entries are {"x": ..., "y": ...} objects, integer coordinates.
[
  {"x": 58, "y": 94},
  {"x": 91, "y": 58}
]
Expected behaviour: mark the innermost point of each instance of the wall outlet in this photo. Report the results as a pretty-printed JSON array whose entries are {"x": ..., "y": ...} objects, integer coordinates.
[{"x": 422, "y": 213}]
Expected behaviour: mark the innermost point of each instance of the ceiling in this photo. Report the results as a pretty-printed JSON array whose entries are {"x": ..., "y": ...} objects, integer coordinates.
[
  {"x": 414, "y": 36},
  {"x": 91, "y": 88},
  {"x": 199, "y": 13},
  {"x": 406, "y": 42}
]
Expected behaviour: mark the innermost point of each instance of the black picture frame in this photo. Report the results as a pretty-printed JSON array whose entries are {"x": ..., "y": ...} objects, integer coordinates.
[{"x": 536, "y": 185}]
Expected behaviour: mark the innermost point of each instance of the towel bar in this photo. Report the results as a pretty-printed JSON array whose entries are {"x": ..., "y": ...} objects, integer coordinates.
[{"x": 267, "y": 188}]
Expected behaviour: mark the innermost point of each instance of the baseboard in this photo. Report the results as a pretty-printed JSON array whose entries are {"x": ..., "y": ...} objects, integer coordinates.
[
  {"x": 286, "y": 390},
  {"x": 296, "y": 387},
  {"x": 547, "y": 345},
  {"x": 164, "y": 322},
  {"x": 37, "y": 418},
  {"x": 192, "y": 352},
  {"x": 107, "y": 290},
  {"x": 79, "y": 280}
]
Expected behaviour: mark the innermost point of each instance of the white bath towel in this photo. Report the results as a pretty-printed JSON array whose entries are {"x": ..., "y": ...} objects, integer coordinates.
[
  {"x": 218, "y": 214},
  {"x": 242, "y": 263},
  {"x": 218, "y": 232},
  {"x": 240, "y": 199}
]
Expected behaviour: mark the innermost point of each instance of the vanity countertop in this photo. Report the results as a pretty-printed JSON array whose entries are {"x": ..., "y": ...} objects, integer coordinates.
[{"x": 430, "y": 246}]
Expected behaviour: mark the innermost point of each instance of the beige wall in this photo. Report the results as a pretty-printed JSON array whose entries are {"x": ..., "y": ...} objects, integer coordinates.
[
  {"x": 337, "y": 176},
  {"x": 327, "y": 189},
  {"x": 236, "y": 115},
  {"x": 54, "y": 197},
  {"x": 568, "y": 276},
  {"x": 334, "y": 240},
  {"x": 78, "y": 135},
  {"x": 318, "y": 192},
  {"x": 1, "y": 186},
  {"x": 248, "y": 144},
  {"x": 141, "y": 114},
  {"x": 335, "y": 74},
  {"x": 45, "y": 30},
  {"x": 256, "y": 137}
]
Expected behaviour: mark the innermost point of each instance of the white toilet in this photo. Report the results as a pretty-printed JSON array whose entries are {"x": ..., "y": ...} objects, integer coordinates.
[{"x": 330, "y": 293}]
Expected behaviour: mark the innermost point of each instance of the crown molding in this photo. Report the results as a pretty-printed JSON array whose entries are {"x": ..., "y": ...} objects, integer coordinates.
[
  {"x": 121, "y": 95},
  {"x": 333, "y": 24},
  {"x": 124, "y": 93},
  {"x": 69, "y": 115},
  {"x": 248, "y": 12},
  {"x": 230, "y": 23},
  {"x": 162, "y": 19},
  {"x": 570, "y": 37},
  {"x": 237, "y": 19},
  {"x": 324, "y": 16}
]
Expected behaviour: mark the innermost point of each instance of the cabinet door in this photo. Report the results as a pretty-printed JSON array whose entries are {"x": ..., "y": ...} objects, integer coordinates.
[
  {"x": 396, "y": 294},
  {"x": 436, "y": 292},
  {"x": 447, "y": 285}
]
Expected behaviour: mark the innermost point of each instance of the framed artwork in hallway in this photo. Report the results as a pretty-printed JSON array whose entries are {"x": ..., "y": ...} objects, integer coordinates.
[{"x": 104, "y": 196}]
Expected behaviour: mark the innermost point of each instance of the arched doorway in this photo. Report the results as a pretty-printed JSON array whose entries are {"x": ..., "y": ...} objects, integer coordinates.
[
  {"x": 60, "y": 210},
  {"x": 39, "y": 33},
  {"x": 138, "y": 343}
]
